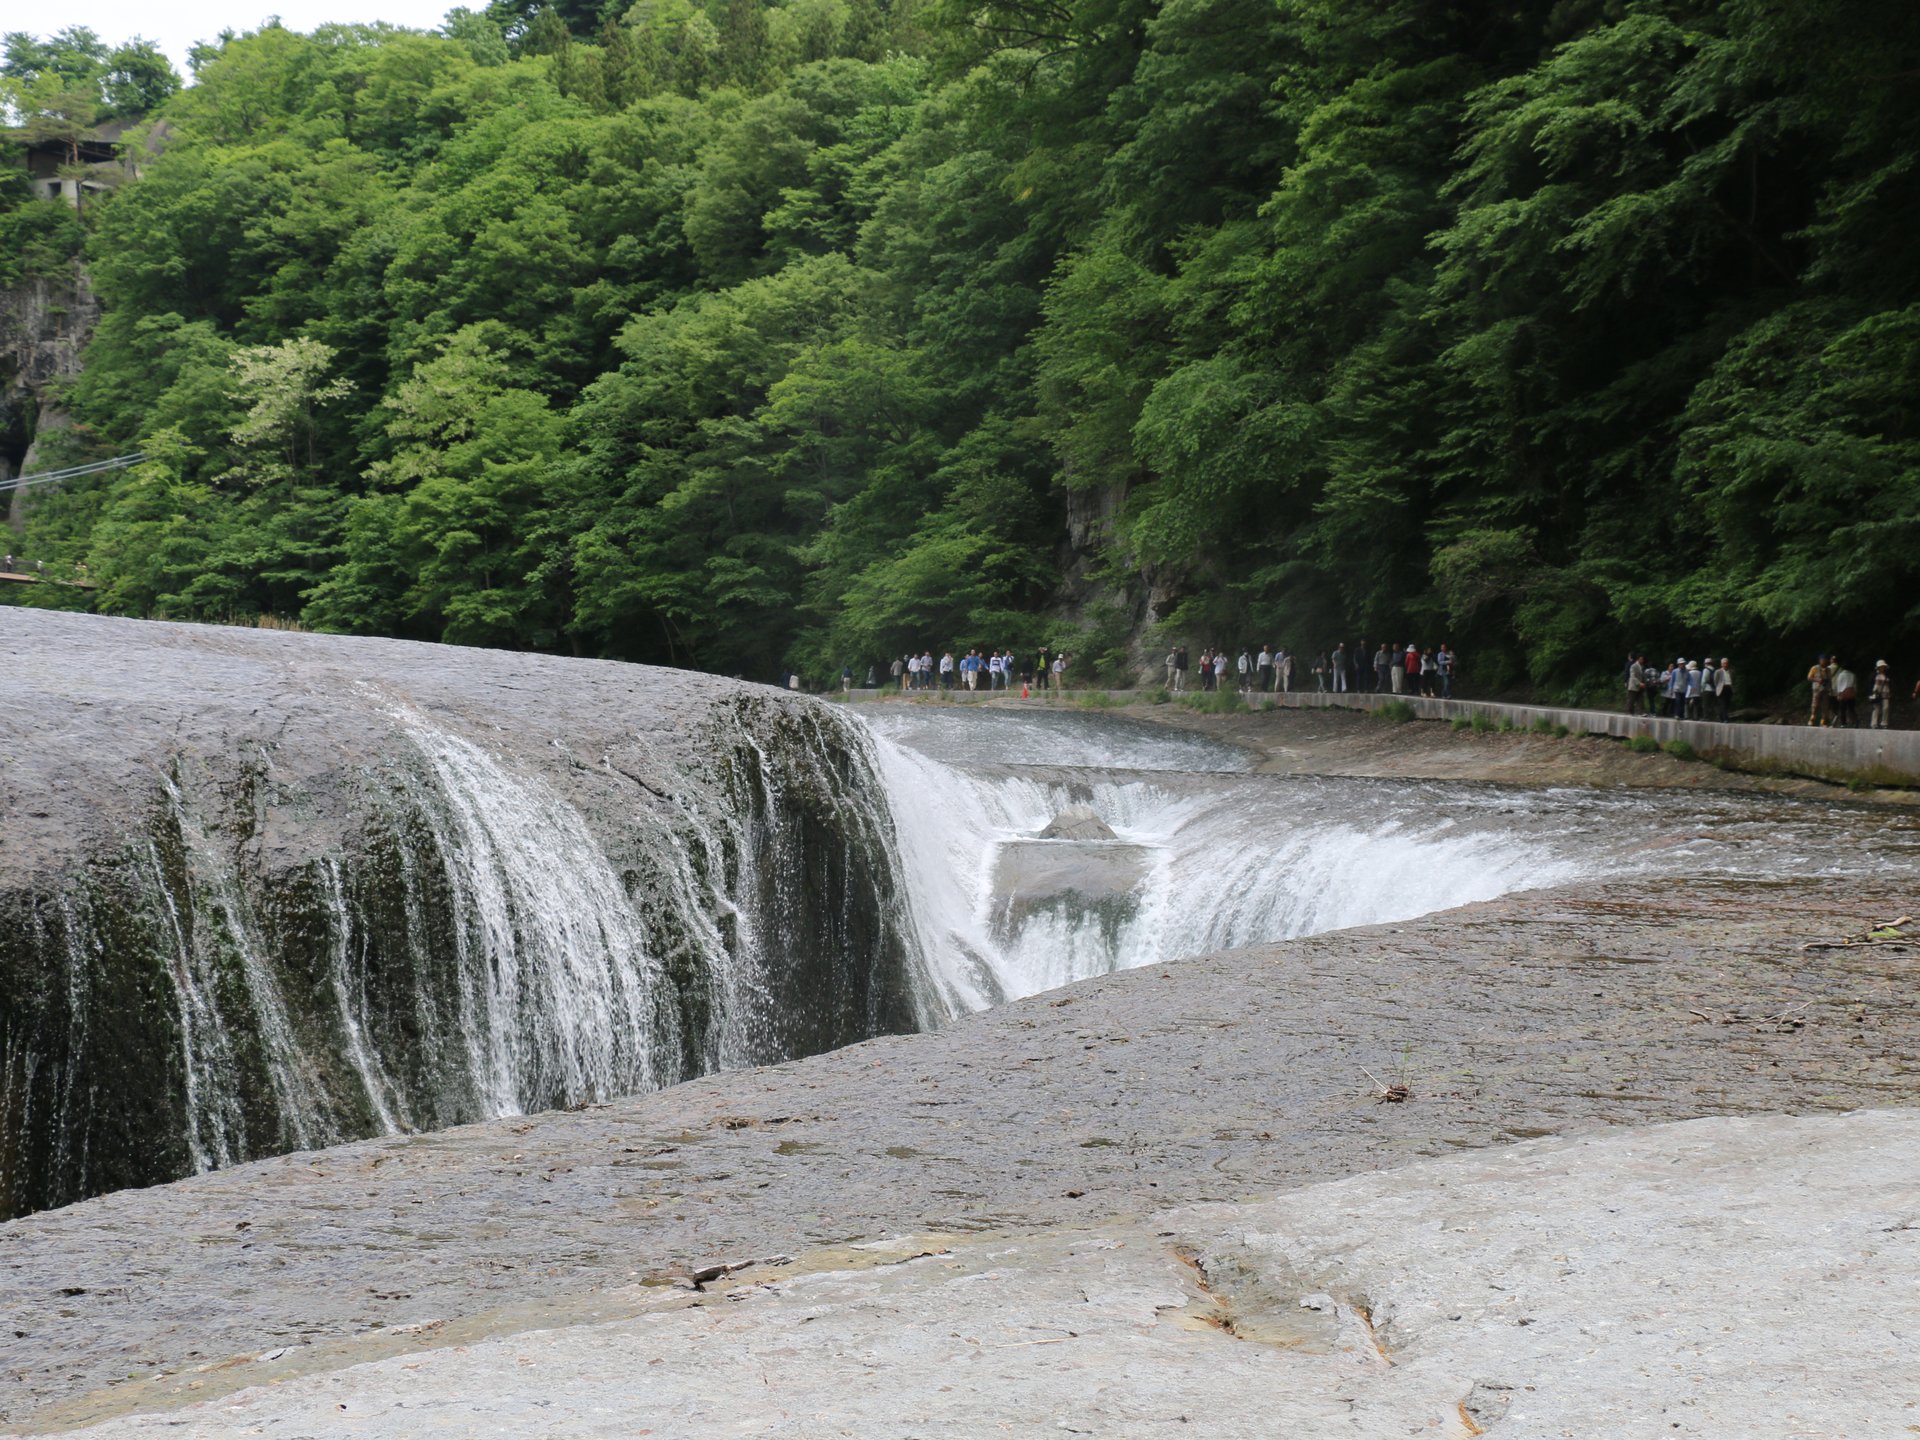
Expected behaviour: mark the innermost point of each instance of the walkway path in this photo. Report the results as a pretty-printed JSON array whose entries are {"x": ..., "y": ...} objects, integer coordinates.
[{"x": 1879, "y": 757}]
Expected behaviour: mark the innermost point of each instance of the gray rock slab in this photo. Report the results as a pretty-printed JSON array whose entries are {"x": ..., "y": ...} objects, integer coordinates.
[
  {"x": 103, "y": 707},
  {"x": 1718, "y": 1278}
]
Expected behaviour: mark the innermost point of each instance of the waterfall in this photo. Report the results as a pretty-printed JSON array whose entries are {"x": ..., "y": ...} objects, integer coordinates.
[
  {"x": 1199, "y": 860},
  {"x": 448, "y": 925},
  {"x": 1205, "y": 855},
  {"x": 559, "y": 1000}
]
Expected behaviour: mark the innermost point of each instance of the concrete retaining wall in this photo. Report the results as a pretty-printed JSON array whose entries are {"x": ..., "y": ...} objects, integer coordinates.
[{"x": 1881, "y": 757}]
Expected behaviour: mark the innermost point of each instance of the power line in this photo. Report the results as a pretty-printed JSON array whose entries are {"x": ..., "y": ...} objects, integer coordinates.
[{"x": 72, "y": 472}]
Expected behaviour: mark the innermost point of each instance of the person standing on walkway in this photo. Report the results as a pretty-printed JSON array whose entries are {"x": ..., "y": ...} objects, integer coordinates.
[
  {"x": 1173, "y": 661},
  {"x": 1179, "y": 669},
  {"x": 1340, "y": 668},
  {"x": 1846, "y": 696},
  {"x": 1263, "y": 669},
  {"x": 1880, "y": 698},
  {"x": 1696, "y": 688},
  {"x": 1245, "y": 666},
  {"x": 1443, "y": 664},
  {"x": 1817, "y": 677},
  {"x": 1636, "y": 683},
  {"x": 1723, "y": 689},
  {"x": 1060, "y": 671}
]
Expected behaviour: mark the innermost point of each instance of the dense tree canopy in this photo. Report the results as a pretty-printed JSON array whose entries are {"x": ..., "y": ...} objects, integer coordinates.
[{"x": 741, "y": 335}]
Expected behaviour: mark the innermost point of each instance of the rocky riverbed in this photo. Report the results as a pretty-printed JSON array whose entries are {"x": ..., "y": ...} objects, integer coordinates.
[{"x": 1070, "y": 1122}]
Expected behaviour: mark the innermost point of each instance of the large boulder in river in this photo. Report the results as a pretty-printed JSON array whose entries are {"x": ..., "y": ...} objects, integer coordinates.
[
  {"x": 262, "y": 891},
  {"x": 1077, "y": 822}
]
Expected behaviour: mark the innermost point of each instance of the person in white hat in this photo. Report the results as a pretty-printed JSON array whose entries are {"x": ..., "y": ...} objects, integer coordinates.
[{"x": 1880, "y": 698}]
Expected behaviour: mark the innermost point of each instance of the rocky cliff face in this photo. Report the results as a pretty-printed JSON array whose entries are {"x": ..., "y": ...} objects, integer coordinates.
[
  {"x": 45, "y": 323},
  {"x": 263, "y": 892}
]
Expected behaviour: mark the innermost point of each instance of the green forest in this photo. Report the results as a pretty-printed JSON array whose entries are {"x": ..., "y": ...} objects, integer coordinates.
[{"x": 737, "y": 335}]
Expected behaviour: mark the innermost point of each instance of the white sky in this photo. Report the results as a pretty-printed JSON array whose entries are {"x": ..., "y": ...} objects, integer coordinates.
[{"x": 175, "y": 25}]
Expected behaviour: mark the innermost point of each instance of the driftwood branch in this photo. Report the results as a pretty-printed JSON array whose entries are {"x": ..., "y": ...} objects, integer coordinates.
[{"x": 1887, "y": 934}]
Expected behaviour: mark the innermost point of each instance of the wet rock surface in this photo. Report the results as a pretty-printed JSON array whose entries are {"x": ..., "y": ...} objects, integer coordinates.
[
  {"x": 1658, "y": 1281},
  {"x": 1215, "y": 1079},
  {"x": 1077, "y": 822}
]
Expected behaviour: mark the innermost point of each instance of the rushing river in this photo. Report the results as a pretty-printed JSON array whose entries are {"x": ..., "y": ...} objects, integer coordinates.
[{"x": 1206, "y": 854}]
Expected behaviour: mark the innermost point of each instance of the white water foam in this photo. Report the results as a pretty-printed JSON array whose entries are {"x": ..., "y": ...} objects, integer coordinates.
[{"x": 559, "y": 999}]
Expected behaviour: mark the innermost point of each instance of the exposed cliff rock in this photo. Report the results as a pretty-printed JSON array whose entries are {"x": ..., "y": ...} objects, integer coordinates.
[{"x": 45, "y": 323}]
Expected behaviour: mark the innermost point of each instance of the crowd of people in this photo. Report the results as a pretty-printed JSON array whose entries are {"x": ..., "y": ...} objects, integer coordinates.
[
  {"x": 1680, "y": 689},
  {"x": 1684, "y": 689},
  {"x": 1836, "y": 690},
  {"x": 975, "y": 670},
  {"x": 1400, "y": 670}
]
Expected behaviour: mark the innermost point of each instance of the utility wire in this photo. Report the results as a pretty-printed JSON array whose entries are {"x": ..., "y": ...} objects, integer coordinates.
[{"x": 72, "y": 472}]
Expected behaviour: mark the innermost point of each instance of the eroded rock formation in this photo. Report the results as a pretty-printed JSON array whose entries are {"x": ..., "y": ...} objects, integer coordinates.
[{"x": 264, "y": 891}]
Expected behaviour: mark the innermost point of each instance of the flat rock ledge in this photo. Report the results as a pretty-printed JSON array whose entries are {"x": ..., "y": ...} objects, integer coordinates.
[
  {"x": 1060, "y": 1216},
  {"x": 1730, "y": 1277}
]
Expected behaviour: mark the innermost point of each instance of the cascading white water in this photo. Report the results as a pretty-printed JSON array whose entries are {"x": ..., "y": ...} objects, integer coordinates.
[
  {"x": 206, "y": 1049},
  {"x": 1200, "y": 868},
  {"x": 1206, "y": 855},
  {"x": 350, "y": 991},
  {"x": 559, "y": 999},
  {"x": 527, "y": 970},
  {"x": 222, "y": 936}
]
